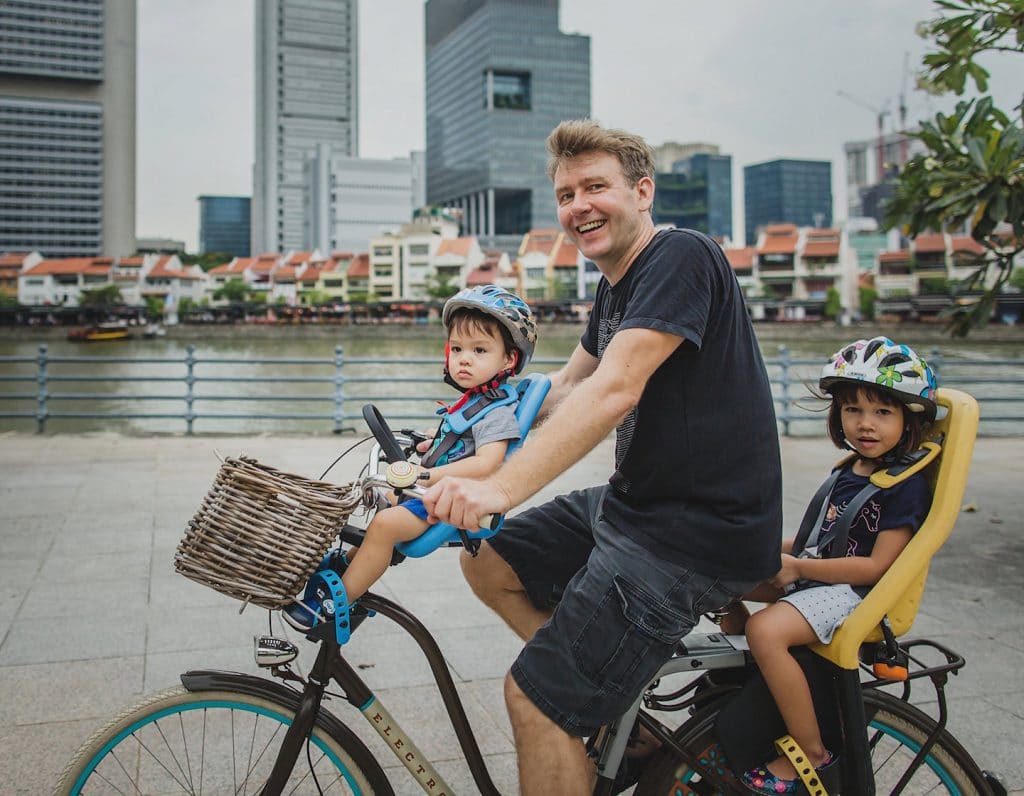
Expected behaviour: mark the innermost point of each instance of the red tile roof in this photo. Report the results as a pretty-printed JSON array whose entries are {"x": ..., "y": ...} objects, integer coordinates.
[
  {"x": 457, "y": 246},
  {"x": 930, "y": 242},
  {"x": 964, "y": 243},
  {"x": 236, "y": 266},
  {"x": 740, "y": 258},
  {"x": 131, "y": 262},
  {"x": 821, "y": 248},
  {"x": 567, "y": 255},
  {"x": 286, "y": 273},
  {"x": 779, "y": 239},
  {"x": 484, "y": 275},
  {"x": 13, "y": 258},
  {"x": 93, "y": 266},
  {"x": 902, "y": 256},
  {"x": 360, "y": 267},
  {"x": 540, "y": 240},
  {"x": 164, "y": 271},
  {"x": 299, "y": 257}
]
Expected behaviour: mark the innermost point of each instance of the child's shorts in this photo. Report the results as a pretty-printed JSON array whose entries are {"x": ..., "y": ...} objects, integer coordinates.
[
  {"x": 415, "y": 505},
  {"x": 824, "y": 607}
]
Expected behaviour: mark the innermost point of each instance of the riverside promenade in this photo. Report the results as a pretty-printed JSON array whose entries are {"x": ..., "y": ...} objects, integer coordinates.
[{"x": 92, "y": 614}]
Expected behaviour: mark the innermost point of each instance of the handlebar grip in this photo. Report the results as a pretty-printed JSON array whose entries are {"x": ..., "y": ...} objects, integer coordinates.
[{"x": 489, "y": 522}]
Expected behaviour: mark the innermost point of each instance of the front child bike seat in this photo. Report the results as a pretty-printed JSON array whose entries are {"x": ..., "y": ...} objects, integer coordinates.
[{"x": 532, "y": 390}]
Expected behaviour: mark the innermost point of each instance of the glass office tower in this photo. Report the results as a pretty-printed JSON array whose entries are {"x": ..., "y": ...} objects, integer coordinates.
[
  {"x": 697, "y": 194},
  {"x": 499, "y": 76},
  {"x": 224, "y": 225},
  {"x": 787, "y": 191}
]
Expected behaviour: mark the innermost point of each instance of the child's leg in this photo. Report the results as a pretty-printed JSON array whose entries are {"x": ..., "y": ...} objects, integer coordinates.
[
  {"x": 388, "y": 528},
  {"x": 734, "y": 621},
  {"x": 771, "y": 632}
]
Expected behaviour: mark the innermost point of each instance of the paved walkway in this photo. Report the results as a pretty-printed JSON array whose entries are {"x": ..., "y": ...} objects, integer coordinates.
[{"x": 92, "y": 614}]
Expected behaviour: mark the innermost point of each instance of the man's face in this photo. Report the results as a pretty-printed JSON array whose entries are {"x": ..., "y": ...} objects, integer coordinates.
[{"x": 603, "y": 215}]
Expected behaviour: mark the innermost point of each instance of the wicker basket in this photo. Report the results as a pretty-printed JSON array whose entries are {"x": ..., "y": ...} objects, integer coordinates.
[{"x": 260, "y": 533}]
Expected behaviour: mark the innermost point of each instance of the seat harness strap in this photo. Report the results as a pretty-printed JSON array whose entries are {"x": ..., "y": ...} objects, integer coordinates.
[{"x": 461, "y": 416}]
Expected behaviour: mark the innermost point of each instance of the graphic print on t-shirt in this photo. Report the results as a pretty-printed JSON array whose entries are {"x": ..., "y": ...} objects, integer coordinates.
[
  {"x": 624, "y": 432},
  {"x": 867, "y": 518}
]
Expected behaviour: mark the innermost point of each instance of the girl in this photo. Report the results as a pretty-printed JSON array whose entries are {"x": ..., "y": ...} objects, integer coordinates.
[{"x": 881, "y": 396}]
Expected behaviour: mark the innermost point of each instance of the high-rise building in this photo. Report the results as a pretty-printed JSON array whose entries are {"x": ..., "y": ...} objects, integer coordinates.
[
  {"x": 351, "y": 200},
  {"x": 67, "y": 127},
  {"x": 224, "y": 225},
  {"x": 871, "y": 168},
  {"x": 787, "y": 191},
  {"x": 696, "y": 194},
  {"x": 500, "y": 75},
  {"x": 306, "y": 83}
]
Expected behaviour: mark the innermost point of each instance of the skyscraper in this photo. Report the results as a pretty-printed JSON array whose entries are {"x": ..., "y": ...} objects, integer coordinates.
[
  {"x": 499, "y": 76},
  {"x": 793, "y": 191},
  {"x": 224, "y": 225},
  {"x": 306, "y": 82},
  {"x": 697, "y": 194},
  {"x": 67, "y": 127}
]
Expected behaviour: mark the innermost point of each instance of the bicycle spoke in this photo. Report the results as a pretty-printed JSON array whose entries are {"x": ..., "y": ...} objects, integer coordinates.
[
  {"x": 188, "y": 761},
  {"x": 174, "y": 757}
]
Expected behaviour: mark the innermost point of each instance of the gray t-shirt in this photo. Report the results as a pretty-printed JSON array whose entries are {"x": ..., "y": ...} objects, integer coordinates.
[{"x": 498, "y": 424}]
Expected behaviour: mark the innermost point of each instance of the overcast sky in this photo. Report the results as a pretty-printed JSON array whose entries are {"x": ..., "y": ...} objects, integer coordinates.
[{"x": 759, "y": 78}]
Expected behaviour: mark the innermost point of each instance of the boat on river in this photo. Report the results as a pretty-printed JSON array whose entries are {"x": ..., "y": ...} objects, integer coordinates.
[{"x": 100, "y": 332}]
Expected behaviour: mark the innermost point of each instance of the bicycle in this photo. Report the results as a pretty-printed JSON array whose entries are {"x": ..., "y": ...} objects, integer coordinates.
[{"x": 221, "y": 730}]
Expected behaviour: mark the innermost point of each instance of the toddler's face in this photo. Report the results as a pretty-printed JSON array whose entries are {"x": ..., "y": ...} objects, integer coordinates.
[{"x": 474, "y": 356}]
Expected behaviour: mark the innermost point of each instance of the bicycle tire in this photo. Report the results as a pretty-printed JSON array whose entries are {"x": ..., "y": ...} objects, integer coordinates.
[
  {"x": 896, "y": 728},
  {"x": 216, "y": 741}
]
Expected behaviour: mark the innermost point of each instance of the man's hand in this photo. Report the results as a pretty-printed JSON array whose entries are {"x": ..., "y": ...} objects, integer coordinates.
[
  {"x": 787, "y": 574},
  {"x": 463, "y": 501}
]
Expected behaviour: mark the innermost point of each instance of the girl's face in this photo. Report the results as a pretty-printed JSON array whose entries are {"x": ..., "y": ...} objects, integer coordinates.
[
  {"x": 474, "y": 355},
  {"x": 873, "y": 428}
]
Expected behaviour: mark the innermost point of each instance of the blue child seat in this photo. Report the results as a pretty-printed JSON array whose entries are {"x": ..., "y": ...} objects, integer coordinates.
[{"x": 532, "y": 390}]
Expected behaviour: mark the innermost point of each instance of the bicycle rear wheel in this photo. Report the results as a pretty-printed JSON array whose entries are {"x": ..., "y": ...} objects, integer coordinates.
[
  {"x": 216, "y": 742},
  {"x": 896, "y": 732}
]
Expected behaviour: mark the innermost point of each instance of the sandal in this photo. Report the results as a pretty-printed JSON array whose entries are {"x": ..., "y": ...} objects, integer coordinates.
[{"x": 761, "y": 780}]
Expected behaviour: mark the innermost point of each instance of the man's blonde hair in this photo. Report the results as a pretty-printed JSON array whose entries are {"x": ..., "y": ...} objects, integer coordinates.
[{"x": 579, "y": 136}]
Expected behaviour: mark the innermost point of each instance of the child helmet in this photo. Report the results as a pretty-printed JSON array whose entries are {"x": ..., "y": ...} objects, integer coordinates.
[
  {"x": 894, "y": 368},
  {"x": 506, "y": 308}
]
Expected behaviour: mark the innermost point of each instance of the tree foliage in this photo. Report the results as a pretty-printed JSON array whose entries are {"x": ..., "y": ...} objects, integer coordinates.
[
  {"x": 234, "y": 290},
  {"x": 973, "y": 170},
  {"x": 440, "y": 286},
  {"x": 106, "y": 296}
]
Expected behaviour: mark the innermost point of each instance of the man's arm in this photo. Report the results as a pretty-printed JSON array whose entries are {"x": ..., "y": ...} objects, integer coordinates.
[
  {"x": 581, "y": 365},
  {"x": 585, "y": 415}
]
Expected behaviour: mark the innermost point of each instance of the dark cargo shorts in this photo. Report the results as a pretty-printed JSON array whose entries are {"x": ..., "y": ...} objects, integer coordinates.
[{"x": 618, "y": 610}]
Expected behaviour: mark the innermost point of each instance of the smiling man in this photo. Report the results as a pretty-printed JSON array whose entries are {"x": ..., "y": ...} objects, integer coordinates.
[{"x": 603, "y": 582}]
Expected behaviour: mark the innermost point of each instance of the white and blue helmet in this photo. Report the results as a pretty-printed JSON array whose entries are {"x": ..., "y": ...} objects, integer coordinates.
[
  {"x": 507, "y": 308},
  {"x": 890, "y": 366}
]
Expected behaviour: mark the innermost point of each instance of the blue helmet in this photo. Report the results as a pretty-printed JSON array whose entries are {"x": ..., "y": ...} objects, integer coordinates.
[{"x": 507, "y": 308}]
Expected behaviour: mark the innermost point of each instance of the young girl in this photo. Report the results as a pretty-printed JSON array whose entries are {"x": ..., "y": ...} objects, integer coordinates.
[
  {"x": 491, "y": 336},
  {"x": 881, "y": 396}
]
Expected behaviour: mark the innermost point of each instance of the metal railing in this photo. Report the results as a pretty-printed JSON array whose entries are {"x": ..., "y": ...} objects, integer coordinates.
[{"x": 261, "y": 385}]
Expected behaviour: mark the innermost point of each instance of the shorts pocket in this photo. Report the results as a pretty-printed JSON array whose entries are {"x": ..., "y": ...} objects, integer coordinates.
[{"x": 628, "y": 624}]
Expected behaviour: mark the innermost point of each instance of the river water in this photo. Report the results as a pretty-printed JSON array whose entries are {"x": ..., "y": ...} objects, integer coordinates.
[{"x": 148, "y": 376}]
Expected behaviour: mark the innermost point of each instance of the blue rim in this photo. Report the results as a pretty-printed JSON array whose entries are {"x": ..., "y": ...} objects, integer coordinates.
[{"x": 204, "y": 705}]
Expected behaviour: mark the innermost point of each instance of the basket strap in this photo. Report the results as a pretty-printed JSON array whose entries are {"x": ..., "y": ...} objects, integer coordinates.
[{"x": 331, "y": 581}]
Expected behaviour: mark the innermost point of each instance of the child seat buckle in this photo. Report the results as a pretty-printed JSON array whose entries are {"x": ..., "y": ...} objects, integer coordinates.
[{"x": 890, "y": 662}]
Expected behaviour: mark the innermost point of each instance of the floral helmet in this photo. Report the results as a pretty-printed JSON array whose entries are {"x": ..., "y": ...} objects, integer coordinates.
[
  {"x": 507, "y": 308},
  {"x": 885, "y": 364}
]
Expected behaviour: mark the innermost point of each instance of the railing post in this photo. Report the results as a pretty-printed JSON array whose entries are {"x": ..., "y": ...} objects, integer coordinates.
[
  {"x": 784, "y": 382},
  {"x": 41, "y": 396},
  {"x": 339, "y": 390},
  {"x": 190, "y": 380},
  {"x": 935, "y": 361}
]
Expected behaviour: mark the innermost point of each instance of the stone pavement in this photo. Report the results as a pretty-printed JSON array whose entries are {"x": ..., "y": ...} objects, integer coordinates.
[{"x": 92, "y": 614}]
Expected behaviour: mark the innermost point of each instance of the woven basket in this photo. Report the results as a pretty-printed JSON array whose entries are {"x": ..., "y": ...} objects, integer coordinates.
[{"x": 260, "y": 533}]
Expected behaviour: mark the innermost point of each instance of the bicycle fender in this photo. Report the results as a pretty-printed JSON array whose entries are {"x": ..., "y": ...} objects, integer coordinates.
[{"x": 251, "y": 685}]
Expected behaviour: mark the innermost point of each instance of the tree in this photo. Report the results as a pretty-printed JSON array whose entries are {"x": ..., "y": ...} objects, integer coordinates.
[
  {"x": 1017, "y": 280},
  {"x": 866, "y": 302},
  {"x": 234, "y": 290},
  {"x": 107, "y": 296},
  {"x": 440, "y": 286},
  {"x": 154, "y": 307},
  {"x": 833, "y": 304},
  {"x": 973, "y": 170}
]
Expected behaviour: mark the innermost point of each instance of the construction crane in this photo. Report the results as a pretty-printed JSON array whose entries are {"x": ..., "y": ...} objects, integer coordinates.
[{"x": 880, "y": 114}]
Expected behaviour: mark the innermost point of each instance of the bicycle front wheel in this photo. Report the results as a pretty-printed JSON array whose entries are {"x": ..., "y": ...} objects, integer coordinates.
[
  {"x": 216, "y": 742},
  {"x": 896, "y": 732}
]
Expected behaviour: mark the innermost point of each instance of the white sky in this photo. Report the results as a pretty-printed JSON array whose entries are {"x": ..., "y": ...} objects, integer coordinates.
[{"x": 760, "y": 79}]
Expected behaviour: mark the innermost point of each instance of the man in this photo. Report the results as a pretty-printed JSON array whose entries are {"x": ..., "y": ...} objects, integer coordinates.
[{"x": 603, "y": 582}]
